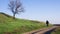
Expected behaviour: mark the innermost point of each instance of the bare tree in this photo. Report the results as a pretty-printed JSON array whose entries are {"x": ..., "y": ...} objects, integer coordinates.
[{"x": 15, "y": 6}]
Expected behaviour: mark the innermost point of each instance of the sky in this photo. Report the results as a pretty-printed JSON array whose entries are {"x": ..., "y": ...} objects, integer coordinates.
[{"x": 40, "y": 10}]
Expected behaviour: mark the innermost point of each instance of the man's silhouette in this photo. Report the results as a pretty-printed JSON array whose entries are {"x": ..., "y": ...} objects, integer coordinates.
[{"x": 47, "y": 23}]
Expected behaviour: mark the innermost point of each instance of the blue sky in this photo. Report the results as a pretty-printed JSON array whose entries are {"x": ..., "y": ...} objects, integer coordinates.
[{"x": 40, "y": 10}]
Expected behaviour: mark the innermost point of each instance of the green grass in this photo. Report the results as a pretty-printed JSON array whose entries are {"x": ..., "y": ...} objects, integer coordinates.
[
  {"x": 18, "y": 26},
  {"x": 57, "y": 31}
]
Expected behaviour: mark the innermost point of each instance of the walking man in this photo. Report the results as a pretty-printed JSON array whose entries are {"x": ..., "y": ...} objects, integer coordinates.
[{"x": 47, "y": 23}]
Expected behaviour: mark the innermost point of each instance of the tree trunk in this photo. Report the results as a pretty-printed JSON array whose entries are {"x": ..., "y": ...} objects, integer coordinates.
[{"x": 14, "y": 16}]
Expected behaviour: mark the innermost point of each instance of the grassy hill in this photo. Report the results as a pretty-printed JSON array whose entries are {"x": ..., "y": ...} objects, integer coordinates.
[{"x": 17, "y": 26}]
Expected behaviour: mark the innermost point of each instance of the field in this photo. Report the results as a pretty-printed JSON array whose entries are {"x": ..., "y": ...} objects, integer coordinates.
[
  {"x": 18, "y": 26},
  {"x": 57, "y": 31}
]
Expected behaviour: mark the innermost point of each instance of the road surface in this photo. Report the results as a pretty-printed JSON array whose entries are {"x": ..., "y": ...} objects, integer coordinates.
[{"x": 43, "y": 30}]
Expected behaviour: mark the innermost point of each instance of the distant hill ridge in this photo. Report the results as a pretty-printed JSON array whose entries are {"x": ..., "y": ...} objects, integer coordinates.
[
  {"x": 5, "y": 14},
  {"x": 17, "y": 18}
]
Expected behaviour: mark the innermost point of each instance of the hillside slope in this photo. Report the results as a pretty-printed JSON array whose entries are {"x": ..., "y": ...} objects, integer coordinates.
[{"x": 17, "y": 26}]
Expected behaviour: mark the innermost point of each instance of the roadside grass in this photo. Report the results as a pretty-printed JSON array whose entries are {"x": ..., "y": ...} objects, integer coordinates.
[
  {"x": 57, "y": 31},
  {"x": 18, "y": 26}
]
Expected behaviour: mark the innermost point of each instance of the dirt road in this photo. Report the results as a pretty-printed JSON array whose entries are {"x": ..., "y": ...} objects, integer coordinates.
[{"x": 43, "y": 30}]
